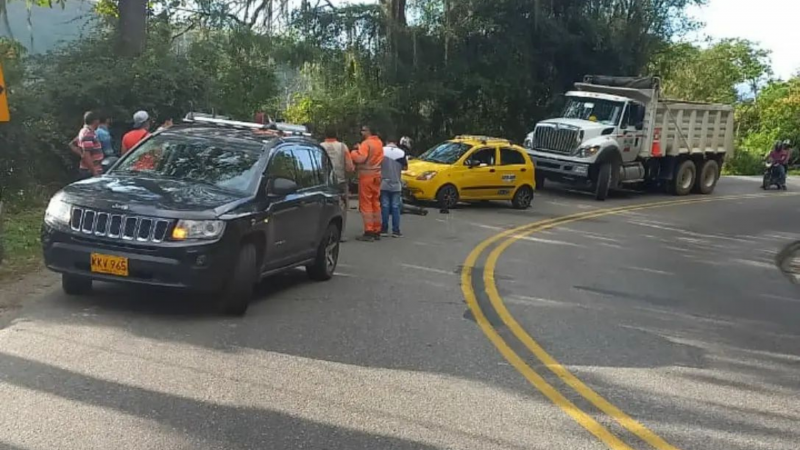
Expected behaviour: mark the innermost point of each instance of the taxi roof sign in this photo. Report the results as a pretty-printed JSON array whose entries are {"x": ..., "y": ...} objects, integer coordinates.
[{"x": 5, "y": 116}]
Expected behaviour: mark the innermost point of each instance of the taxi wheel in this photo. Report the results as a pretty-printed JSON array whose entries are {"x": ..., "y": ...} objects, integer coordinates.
[
  {"x": 522, "y": 198},
  {"x": 447, "y": 196}
]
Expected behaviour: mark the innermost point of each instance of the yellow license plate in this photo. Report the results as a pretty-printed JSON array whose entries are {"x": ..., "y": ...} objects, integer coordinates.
[{"x": 110, "y": 265}]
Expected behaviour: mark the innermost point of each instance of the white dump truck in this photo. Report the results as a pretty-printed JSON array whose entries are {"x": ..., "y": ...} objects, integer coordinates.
[{"x": 617, "y": 132}]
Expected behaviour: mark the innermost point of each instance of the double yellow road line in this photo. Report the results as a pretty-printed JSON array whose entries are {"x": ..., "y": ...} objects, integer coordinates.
[{"x": 535, "y": 379}]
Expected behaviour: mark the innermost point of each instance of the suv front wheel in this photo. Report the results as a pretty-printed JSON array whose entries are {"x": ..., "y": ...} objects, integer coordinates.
[
  {"x": 235, "y": 296},
  {"x": 327, "y": 255}
]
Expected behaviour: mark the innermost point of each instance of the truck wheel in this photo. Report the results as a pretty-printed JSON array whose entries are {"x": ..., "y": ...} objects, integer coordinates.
[
  {"x": 540, "y": 180},
  {"x": 75, "y": 285},
  {"x": 327, "y": 255},
  {"x": 522, "y": 198},
  {"x": 603, "y": 182},
  {"x": 685, "y": 178},
  {"x": 707, "y": 181},
  {"x": 235, "y": 296},
  {"x": 447, "y": 196}
]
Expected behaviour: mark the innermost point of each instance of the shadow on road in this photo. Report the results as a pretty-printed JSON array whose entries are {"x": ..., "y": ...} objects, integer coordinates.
[{"x": 228, "y": 426}]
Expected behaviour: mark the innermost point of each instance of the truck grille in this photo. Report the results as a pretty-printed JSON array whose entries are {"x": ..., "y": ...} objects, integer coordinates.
[
  {"x": 119, "y": 226},
  {"x": 555, "y": 139}
]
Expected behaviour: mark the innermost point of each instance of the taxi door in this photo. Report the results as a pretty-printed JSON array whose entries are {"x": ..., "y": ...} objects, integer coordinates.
[
  {"x": 513, "y": 169},
  {"x": 480, "y": 178}
]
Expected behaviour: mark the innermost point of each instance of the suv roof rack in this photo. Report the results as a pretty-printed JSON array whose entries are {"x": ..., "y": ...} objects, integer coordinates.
[
  {"x": 483, "y": 139},
  {"x": 286, "y": 128}
]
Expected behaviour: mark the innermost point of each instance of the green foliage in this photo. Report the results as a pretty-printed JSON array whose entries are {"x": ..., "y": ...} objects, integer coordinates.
[
  {"x": 230, "y": 73},
  {"x": 20, "y": 240},
  {"x": 712, "y": 74}
]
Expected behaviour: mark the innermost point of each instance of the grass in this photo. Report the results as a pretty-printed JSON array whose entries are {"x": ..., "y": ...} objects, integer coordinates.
[{"x": 23, "y": 249}]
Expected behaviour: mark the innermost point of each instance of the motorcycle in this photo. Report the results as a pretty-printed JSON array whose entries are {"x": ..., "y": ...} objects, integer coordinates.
[{"x": 772, "y": 177}]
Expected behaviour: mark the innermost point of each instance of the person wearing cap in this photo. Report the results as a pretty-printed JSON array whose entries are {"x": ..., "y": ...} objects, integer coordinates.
[{"x": 141, "y": 127}]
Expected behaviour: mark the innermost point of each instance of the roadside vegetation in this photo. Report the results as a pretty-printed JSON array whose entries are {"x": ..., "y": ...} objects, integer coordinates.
[
  {"x": 21, "y": 241},
  {"x": 427, "y": 68}
]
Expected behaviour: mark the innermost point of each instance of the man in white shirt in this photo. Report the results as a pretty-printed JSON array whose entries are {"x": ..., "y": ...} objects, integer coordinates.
[{"x": 394, "y": 163}]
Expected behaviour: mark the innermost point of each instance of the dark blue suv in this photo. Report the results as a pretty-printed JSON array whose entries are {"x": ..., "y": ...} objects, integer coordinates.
[{"x": 211, "y": 206}]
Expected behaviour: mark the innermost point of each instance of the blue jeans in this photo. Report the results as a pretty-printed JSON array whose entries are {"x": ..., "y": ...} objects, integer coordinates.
[
  {"x": 391, "y": 203},
  {"x": 781, "y": 172}
]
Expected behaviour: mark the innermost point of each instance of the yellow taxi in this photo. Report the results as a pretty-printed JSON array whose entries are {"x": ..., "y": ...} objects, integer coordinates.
[{"x": 472, "y": 168}]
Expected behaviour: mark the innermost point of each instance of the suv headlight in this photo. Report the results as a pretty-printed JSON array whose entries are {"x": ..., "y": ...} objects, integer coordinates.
[
  {"x": 585, "y": 152},
  {"x": 427, "y": 176},
  {"x": 197, "y": 229},
  {"x": 59, "y": 212}
]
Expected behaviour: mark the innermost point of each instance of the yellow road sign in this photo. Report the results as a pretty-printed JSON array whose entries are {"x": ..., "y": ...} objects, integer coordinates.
[{"x": 4, "y": 114}]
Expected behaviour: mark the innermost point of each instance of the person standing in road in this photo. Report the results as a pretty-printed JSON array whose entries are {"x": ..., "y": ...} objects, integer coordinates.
[
  {"x": 88, "y": 147},
  {"x": 392, "y": 167},
  {"x": 368, "y": 159},
  {"x": 141, "y": 127},
  {"x": 342, "y": 165},
  {"x": 104, "y": 136}
]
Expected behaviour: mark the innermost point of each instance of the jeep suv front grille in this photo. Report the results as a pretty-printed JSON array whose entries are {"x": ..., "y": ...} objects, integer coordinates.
[
  {"x": 119, "y": 226},
  {"x": 550, "y": 138}
]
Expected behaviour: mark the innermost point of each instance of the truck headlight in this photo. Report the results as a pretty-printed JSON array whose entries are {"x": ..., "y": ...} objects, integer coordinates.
[
  {"x": 58, "y": 212},
  {"x": 585, "y": 152},
  {"x": 197, "y": 229},
  {"x": 427, "y": 176}
]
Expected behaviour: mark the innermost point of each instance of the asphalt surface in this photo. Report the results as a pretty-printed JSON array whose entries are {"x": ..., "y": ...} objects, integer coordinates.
[{"x": 677, "y": 316}]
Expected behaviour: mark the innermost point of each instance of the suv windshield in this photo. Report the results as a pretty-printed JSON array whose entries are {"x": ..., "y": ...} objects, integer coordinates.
[
  {"x": 445, "y": 153},
  {"x": 596, "y": 110},
  {"x": 225, "y": 163}
]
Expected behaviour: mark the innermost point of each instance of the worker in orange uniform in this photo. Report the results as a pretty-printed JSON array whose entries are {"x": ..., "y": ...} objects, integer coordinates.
[{"x": 368, "y": 159}]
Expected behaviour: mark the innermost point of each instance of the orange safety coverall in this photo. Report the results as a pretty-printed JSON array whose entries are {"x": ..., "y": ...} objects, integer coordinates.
[{"x": 368, "y": 159}]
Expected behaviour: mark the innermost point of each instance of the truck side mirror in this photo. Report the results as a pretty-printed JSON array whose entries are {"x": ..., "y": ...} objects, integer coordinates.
[{"x": 640, "y": 126}]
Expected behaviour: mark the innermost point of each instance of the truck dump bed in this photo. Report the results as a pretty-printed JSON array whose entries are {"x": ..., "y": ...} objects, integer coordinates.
[{"x": 690, "y": 128}]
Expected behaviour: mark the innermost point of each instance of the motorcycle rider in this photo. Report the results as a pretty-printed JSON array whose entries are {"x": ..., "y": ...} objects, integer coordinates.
[{"x": 780, "y": 157}]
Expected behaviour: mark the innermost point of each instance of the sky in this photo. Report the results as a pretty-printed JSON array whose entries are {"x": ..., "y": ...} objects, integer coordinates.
[{"x": 771, "y": 23}]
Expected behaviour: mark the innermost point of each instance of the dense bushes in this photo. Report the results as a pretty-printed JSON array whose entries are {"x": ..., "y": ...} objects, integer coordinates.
[{"x": 48, "y": 95}]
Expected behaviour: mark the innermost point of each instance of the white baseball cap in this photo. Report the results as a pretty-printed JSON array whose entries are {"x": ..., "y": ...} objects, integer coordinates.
[{"x": 139, "y": 118}]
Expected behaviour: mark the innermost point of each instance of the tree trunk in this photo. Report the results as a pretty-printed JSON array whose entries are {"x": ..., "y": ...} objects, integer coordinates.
[{"x": 132, "y": 27}]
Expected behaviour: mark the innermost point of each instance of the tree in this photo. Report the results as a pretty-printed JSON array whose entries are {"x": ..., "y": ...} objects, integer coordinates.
[
  {"x": 132, "y": 27},
  {"x": 712, "y": 74}
]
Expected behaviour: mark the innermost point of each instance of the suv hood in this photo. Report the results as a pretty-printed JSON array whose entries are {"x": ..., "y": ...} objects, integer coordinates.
[{"x": 152, "y": 197}]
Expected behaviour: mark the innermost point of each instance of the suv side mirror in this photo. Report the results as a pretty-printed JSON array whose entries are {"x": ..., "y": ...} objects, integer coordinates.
[{"x": 281, "y": 187}]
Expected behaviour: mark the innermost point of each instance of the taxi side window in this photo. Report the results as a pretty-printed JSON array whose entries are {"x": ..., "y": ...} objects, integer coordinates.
[
  {"x": 509, "y": 157},
  {"x": 482, "y": 156}
]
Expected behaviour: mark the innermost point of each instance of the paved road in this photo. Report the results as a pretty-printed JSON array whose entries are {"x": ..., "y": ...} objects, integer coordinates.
[{"x": 659, "y": 328}]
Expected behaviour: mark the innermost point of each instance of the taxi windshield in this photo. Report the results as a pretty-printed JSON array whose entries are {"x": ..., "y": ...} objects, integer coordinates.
[
  {"x": 446, "y": 153},
  {"x": 223, "y": 163}
]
